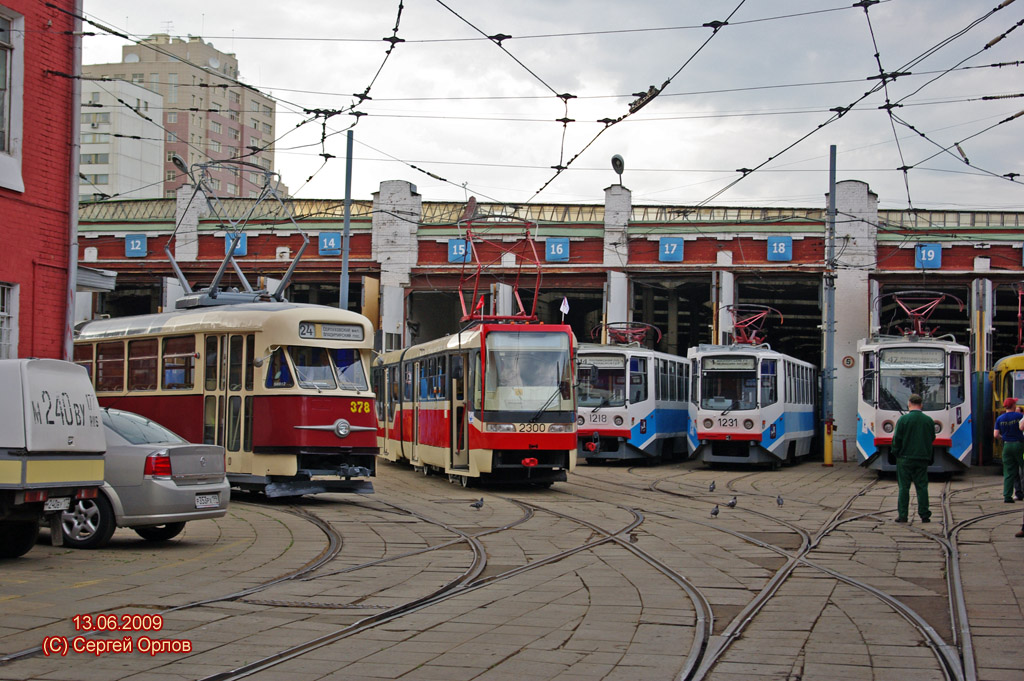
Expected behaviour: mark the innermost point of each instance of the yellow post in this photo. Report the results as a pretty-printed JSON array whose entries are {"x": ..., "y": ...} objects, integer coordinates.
[{"x": 828, "y": 443}]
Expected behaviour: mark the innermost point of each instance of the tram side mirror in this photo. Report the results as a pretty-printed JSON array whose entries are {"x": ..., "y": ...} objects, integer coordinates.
[{"x": 260, "y": 361}]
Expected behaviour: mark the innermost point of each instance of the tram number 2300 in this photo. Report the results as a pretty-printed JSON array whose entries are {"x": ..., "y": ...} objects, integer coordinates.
[{"x": 533, "y": 427}]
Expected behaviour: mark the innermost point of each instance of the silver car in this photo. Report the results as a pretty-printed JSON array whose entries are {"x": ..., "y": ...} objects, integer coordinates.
[{"x": 155, "y": 483}]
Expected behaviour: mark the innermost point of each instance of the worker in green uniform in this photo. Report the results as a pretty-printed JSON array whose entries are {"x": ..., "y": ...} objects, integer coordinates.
[{"x": 912, "y": 448}]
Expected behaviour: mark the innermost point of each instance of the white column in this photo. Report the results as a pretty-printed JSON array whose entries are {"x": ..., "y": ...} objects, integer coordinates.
[
  {"x": 856, "y": 237},
  {"x": 397, "y": 209}
]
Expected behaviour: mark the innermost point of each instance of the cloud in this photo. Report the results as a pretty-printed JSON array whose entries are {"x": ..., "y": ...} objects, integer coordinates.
[{"x": 465, "y": 110}]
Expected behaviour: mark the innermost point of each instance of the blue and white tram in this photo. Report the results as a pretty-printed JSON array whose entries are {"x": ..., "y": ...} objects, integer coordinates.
[
  {"x": 751, "y": 404},
  {"x": 892, "y": 368},
  {"x": 632, "y": 403}
]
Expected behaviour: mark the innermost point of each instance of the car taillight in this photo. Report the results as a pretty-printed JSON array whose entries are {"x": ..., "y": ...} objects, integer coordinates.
[{"x": 158, "y": 464}]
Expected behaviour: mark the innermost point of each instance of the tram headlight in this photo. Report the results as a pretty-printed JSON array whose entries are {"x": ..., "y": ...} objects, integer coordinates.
[
  {"x": 887, "y": 426},
  {"x": 748, "y": 424},
  {"x": 500, "y": 428},
  {"x": 708, "y": 423},
  {"x": 560, "y": 428},
  {"x": 580, "y": 421},
  {"x": 938, "y": 427},
  {"x": 618, "y": 420}
]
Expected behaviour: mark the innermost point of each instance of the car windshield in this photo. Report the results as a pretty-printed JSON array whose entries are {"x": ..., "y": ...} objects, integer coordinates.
[
  {"x": 528, "y": 372},
  {"x": 602, "y": 381},
  {"x": 138, "y": 430},
  {"x": 904, "y": 371},
  {"x": 728, "y": 383}
]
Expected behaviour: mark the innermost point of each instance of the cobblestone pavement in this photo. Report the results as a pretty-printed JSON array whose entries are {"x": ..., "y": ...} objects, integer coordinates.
[{"x": 617, "y": 574}]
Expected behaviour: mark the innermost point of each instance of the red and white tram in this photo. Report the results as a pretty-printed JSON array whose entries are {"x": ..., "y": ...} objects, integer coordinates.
[
  {"x": 495, "y": 402},
  {"x": 281, "y": 386}
]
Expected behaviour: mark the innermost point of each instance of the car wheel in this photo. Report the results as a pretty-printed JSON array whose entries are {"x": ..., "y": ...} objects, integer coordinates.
[
  {"x": 159, "y": 532},
  {"x": 89, "y": 523},
  {"x": 17, "y": 537}
]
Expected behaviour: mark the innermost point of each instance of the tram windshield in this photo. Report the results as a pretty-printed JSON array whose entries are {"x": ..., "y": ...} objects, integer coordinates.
[
  {"x": 528, "y": 371},
  {"x": 905, "y": 371},
  {"x": 326, "y": 369},
  {"x": 728, "y": 383},
  {"x": 602, "y": 381}
]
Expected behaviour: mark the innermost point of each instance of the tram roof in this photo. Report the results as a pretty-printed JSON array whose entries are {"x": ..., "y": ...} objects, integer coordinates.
[{"x": 245, "y": 316}]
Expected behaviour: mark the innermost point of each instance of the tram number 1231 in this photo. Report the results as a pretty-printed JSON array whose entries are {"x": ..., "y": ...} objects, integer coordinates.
[{"x": 728, "y": 423}]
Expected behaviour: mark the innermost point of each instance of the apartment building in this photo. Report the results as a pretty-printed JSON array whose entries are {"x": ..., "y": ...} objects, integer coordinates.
[
  {"x": 122, "y": 142},
  {"x": 207, "y": 114}
]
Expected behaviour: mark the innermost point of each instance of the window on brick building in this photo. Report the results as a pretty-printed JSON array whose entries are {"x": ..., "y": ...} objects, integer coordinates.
[
  {"x": 266, "y": 128},
  {"x": 215, "y": 126},
  {"x": 172, "y": 117},
  {"x": 12, "y": 33},
  {"x": 8, "y": 321}
]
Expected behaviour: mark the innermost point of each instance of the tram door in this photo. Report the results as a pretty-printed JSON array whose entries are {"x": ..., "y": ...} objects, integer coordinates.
[
  {"x": 460, "y": 417},
  {"x": 417, "y": 393},
  {"x": 227, "y": 398}
]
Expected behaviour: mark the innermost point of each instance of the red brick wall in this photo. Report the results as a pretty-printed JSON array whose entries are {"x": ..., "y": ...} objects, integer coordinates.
[{"x": 34, "y": 225}]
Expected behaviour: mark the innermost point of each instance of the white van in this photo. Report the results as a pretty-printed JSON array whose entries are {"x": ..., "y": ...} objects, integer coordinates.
[{"x": 51, "y": 447}]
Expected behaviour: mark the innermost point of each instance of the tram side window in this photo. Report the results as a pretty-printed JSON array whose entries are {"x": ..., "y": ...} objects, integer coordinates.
[
  {"x": 442, "y": 378},
  {"x": 234, "y": 422},
  {"x": 637, "y": 379},
  {"x": 682, "y": 380},
  {"x": 348, "y": 366},
  {"x": 694, "y": 388},
  {"x": 211, "y": 362},
  {"x": 142, "y": 364},
  {"x": 236, "y": 353},
  {"x": 83, "y": 358},
  {"x": 957, "y": 391},
  {"x": 673, "y": 374},
  {"x": 407, "y": 383},
  {"x": 278, "y": 373},
  {"x": 179, "y": 359},
  {"x": 867, "y": 381},
  {"x": 110, "y": 366},
  {"x": 769, "y": 382},
  {"x": 250, "y": 353}
]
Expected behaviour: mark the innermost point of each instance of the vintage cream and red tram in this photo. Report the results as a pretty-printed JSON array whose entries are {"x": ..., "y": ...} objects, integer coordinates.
[
  {"x": 493, "y": 403},
  {"x": 283, "y": 387}
]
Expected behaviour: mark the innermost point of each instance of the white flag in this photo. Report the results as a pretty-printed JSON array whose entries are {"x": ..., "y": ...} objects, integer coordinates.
[{"x": 564, "y": 307}]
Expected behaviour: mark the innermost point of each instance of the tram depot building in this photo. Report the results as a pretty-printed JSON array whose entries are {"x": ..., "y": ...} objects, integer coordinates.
[{"x": 674, "y": 267}]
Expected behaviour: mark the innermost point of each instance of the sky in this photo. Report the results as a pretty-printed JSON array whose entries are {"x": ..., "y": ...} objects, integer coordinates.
[{"x": 742, "y": 115}]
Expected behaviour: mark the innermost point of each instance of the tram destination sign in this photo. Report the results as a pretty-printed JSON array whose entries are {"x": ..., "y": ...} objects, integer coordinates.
[
  {"x": 730, "y": 363},
  {"x": 344, "y": 332},
  {"x": 603, "y": 362}
]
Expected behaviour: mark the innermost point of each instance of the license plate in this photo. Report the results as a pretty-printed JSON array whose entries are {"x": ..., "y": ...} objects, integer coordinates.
[
  {"x": 57, "y": 504},
  {"x": 207, "y": 500}
]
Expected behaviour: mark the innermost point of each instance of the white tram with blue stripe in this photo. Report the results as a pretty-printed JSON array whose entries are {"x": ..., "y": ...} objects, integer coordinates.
[
  {"x": 632, "y": 404},
  {"x": 751, "y": 405},
  {"x": 892, "y": 368}
]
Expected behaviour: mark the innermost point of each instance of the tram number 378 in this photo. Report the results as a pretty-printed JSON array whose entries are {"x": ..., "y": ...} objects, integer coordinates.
[{"x": 359, "y": 407}]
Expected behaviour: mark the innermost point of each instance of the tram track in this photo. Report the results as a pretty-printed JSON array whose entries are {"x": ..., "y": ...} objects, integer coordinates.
[
  {"x": 468, "y": 582},
  {"x": 956, "y": 660}
]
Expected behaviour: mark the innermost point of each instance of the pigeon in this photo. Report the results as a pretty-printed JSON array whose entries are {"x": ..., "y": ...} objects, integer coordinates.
[
  {"x": 732, "y": 503},
  {"x": 714, "y": 511},
  {"x": 711, "y": 487},
  {"x": 478, "y": 504},
  {"x": 778, "y": 500}
]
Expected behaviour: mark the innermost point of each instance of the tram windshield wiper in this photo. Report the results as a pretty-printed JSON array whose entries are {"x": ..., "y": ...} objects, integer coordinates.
[
  {"x": 544, "y": 407},
  {"x": 604, "y": 403},
  {"x": 732, "y": 405}
]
